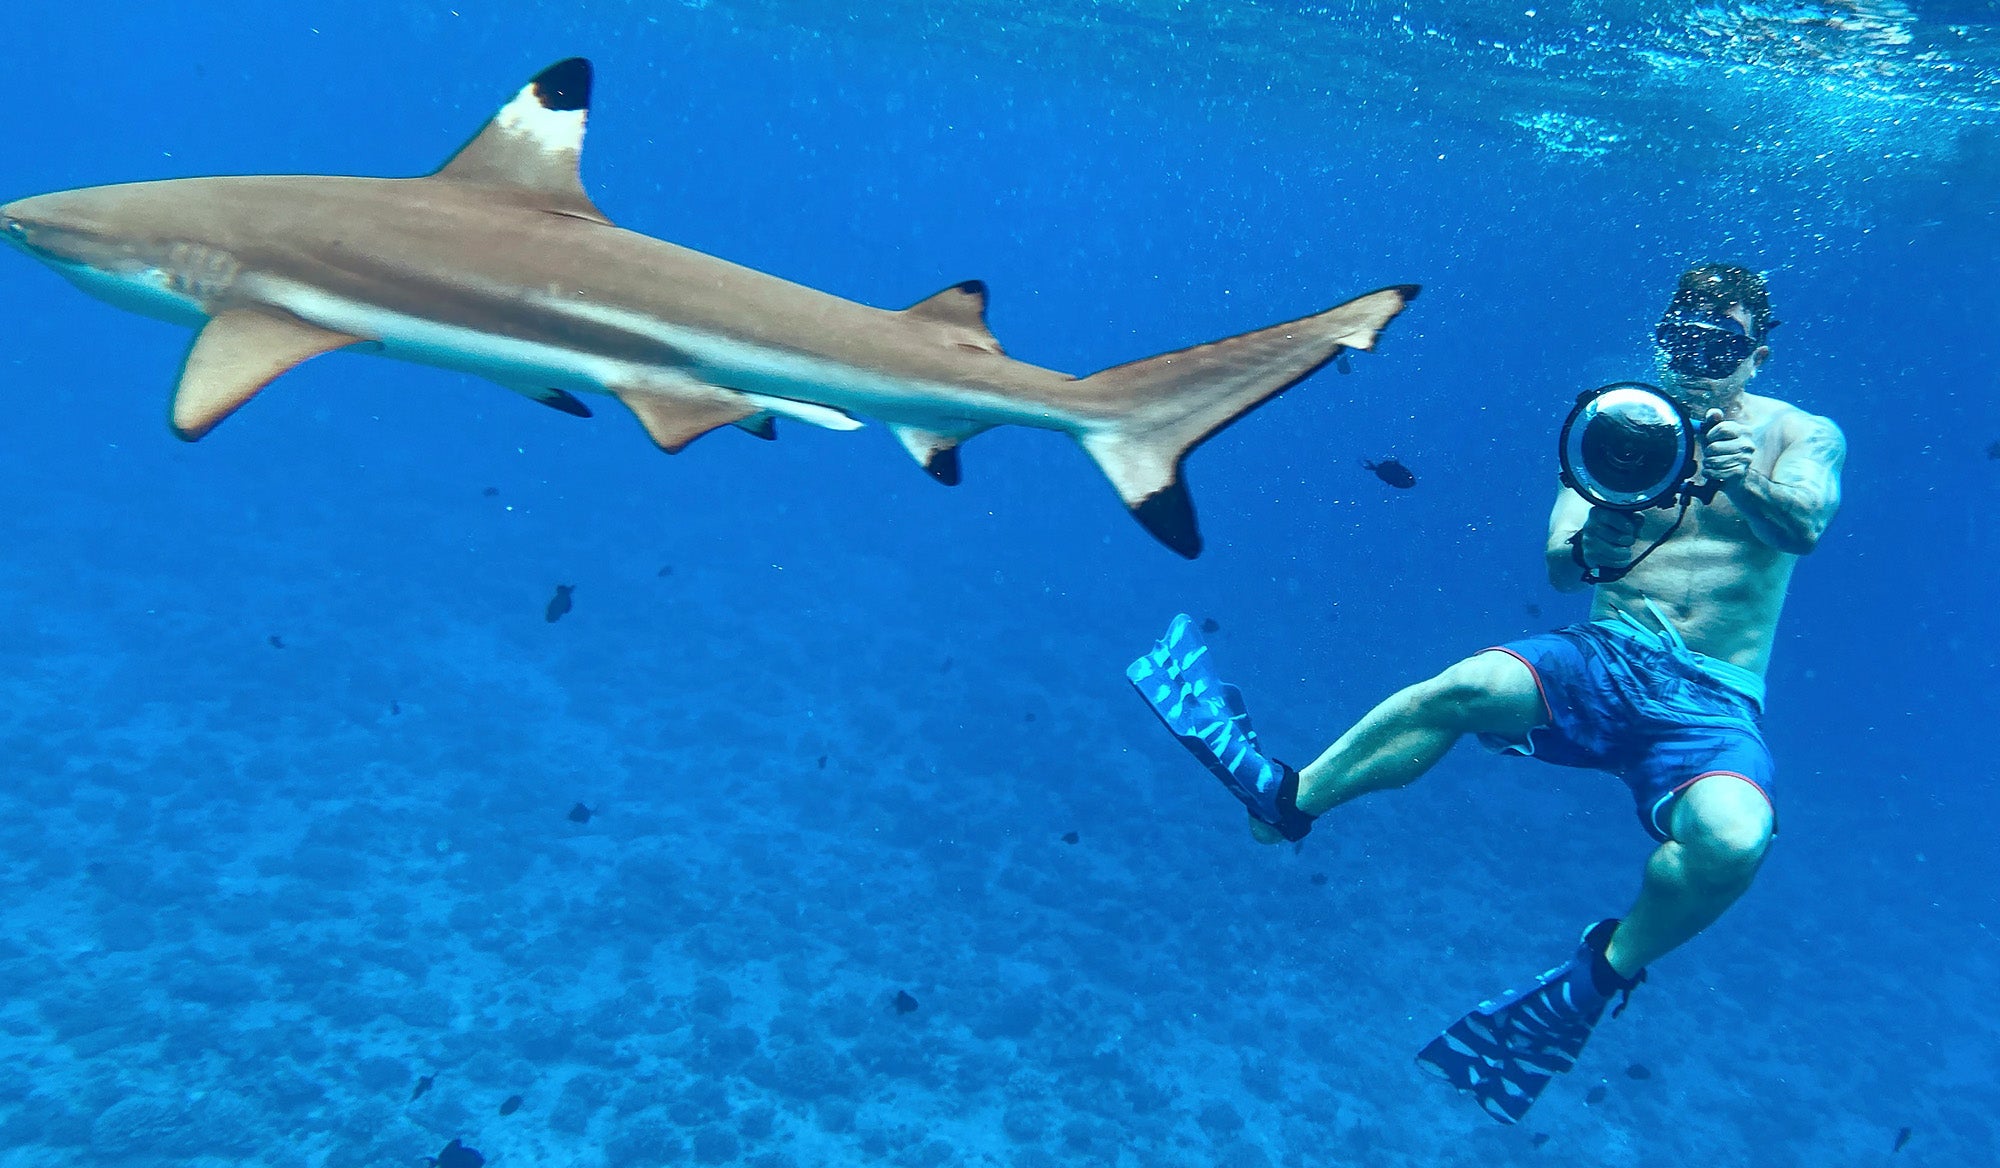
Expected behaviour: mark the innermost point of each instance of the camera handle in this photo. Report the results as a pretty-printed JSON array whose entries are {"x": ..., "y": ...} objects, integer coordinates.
[{"x": 1688, "y": 494}]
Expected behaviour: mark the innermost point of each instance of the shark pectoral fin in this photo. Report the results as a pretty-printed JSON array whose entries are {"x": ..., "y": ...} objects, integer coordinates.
[
  {"x": 937, "y": 453},
  {"x": 1147, "y": 415},
  {"x": 961, "y": 309},
  {"x": 238, "y": 352},
  {"x": 534, "y": 146},
  {"x": 674, "y": 419}
]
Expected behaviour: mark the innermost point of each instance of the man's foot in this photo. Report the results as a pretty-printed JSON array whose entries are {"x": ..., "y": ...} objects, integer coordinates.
[
  {"x": 1505, "y": 1051},
  {"x": 1209, "y": 718}
]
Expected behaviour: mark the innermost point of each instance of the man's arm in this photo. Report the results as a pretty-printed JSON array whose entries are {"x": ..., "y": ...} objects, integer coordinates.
[
  {"x": 1790, "y": 507},
  {"x": 1571, "y": 510},
  {"x": 1604, "y": 537}
]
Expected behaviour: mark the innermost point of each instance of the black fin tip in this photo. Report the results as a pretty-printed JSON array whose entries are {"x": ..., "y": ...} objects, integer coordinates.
[
  {"x": 564, "y": 85},
  {"x": 943, "y": 466},
  {"x": 565, "y": 401},
  {"x": 1168, "y": 514}
]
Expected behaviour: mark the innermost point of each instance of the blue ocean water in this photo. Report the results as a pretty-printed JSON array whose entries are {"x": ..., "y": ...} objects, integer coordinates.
[{"x": 291, "y": 747}]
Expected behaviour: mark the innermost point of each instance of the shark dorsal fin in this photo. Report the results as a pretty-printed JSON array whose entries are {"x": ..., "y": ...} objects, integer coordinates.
[
  {"x": 237, "y": 353},
  {"x": 534, "y": 146},
  {"x": 961, "y": 307}
]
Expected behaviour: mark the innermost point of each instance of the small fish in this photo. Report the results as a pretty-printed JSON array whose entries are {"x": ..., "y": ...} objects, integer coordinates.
[
  {"x": 490, "y": 492},
  {"x": 457, "y": 1155},
  {"x": 1392, "y": 472},
  {"x": 1070, "y": 837},
  {"x": 946, "y": 667},
  {"x": 1638, "y": 1071},
  {"x": 1903, "y": 1137},
  {"x": 1341, "y": 363},
  {"x": 904, "y": 1003},
  {"x": 580, "y": 814},
  {"x": 1538, "y": 1139},
  {"x": 510, "y": 1105},
  {"x": 1993, "y": 450},
  {"x": 559, "y": 603},
  {"x": 1533, "y": 610},
  {"x": 1597, "y": 1095},
  {"x": 822, "y": 762},
  {"x": 1028, "y": 717},
  {"x": 1210, "y": 625},
  {"x": 395, "y": 707},
  {"x": 423, "y": 1087},
  {"x": 1319, "y": 878},
  {"x": 665, "y": 571},
  {"x": 275, "y": 641}
]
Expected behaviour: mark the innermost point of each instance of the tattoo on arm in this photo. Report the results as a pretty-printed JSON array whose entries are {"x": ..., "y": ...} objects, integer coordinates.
[
  {"x": 1804, "y": 487},
  {"x": 1811, "y": 466}
]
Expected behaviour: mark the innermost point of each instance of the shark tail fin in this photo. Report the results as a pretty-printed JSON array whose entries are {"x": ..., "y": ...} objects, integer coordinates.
[{"x": 1157, "y": 410}]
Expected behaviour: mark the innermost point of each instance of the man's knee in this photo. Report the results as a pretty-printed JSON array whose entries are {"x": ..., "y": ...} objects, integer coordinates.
[
  {"x": 1493, "y": 693},
  {"x": 1724, "y": 825}
]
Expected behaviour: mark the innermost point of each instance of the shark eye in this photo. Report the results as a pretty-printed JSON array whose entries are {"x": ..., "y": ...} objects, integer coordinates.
[{"x": 14, "y": 229}]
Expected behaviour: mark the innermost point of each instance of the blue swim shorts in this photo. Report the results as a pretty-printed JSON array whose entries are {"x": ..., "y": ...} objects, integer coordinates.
[{"x": 1644, "y": 708}]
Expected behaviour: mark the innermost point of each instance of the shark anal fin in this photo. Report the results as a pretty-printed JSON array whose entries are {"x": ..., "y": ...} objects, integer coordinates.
[
  {"x": 534, "y": 146},
  {"x": 674, "y": 419},
  {"x": 937, "y": 453},
  {"x": 562, "y": 400},
  {"x": 944, "y": 467},
  {"x": 961, "y": 308},
  {"x": 238, "y": 352}
]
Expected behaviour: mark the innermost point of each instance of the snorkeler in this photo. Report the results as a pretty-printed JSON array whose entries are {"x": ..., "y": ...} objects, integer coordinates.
[{"x": 1663, "y": 686}]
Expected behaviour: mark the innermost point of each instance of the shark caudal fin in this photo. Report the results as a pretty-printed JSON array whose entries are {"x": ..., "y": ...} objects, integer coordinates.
[{"x": 1157, "y": 410}]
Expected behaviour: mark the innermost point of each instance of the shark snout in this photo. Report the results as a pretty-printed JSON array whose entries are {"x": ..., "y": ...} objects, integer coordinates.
[{"x": 13, "y": 228}]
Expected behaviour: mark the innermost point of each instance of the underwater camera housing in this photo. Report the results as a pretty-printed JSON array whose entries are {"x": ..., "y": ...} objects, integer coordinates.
[{"x": 1629, "y": 447}]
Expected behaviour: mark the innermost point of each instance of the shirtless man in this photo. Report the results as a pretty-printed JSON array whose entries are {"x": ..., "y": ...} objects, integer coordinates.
[{"x": 1662, "y": 686}]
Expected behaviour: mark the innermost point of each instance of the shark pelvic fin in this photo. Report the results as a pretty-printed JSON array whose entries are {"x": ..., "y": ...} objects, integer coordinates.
[
  {"x": 936, "y": 453},
  {"x": 533, "y": 147},
  {"x": 961, "y": 310},
  {"x": 674, "y": 419},
  {"x": 1161, "y": 408},
  {"x": 561, "y": 400},
  {"x": 238, "y": 352},
  {"x": 763, "y": 424}
]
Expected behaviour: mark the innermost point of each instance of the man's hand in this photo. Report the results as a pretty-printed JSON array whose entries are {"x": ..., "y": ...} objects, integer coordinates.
[
  {"x": 1727, "y": 449},
  {"x": 1608, "y": 537}
]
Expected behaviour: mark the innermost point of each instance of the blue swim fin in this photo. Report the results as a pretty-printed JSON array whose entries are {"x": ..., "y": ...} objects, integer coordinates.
[
  {"x": 1210, "y": 719},
  {"x": 1505, "y": 1051}
]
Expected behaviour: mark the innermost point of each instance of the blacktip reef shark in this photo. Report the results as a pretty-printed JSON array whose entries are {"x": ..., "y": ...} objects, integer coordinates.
[{"x": 499, "y": 265}]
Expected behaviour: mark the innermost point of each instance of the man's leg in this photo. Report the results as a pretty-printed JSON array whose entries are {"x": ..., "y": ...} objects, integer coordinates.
[
  {"x": 1490, "y": 692},
  {"x": 1721, "y": 828}
]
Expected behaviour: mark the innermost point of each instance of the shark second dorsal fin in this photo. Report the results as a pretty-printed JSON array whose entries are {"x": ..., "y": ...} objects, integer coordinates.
[
  {"x": 237, "y": 353},
  {"x": 534, "y": 146},
  {"x": 962, "y": 309}
]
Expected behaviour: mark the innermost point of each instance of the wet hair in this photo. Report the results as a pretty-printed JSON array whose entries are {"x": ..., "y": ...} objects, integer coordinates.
[{"x": 1707, "y": 291}]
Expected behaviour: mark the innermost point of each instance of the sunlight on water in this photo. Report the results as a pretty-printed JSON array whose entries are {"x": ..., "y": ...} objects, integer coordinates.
[{"x": 1834, "y": 91}]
